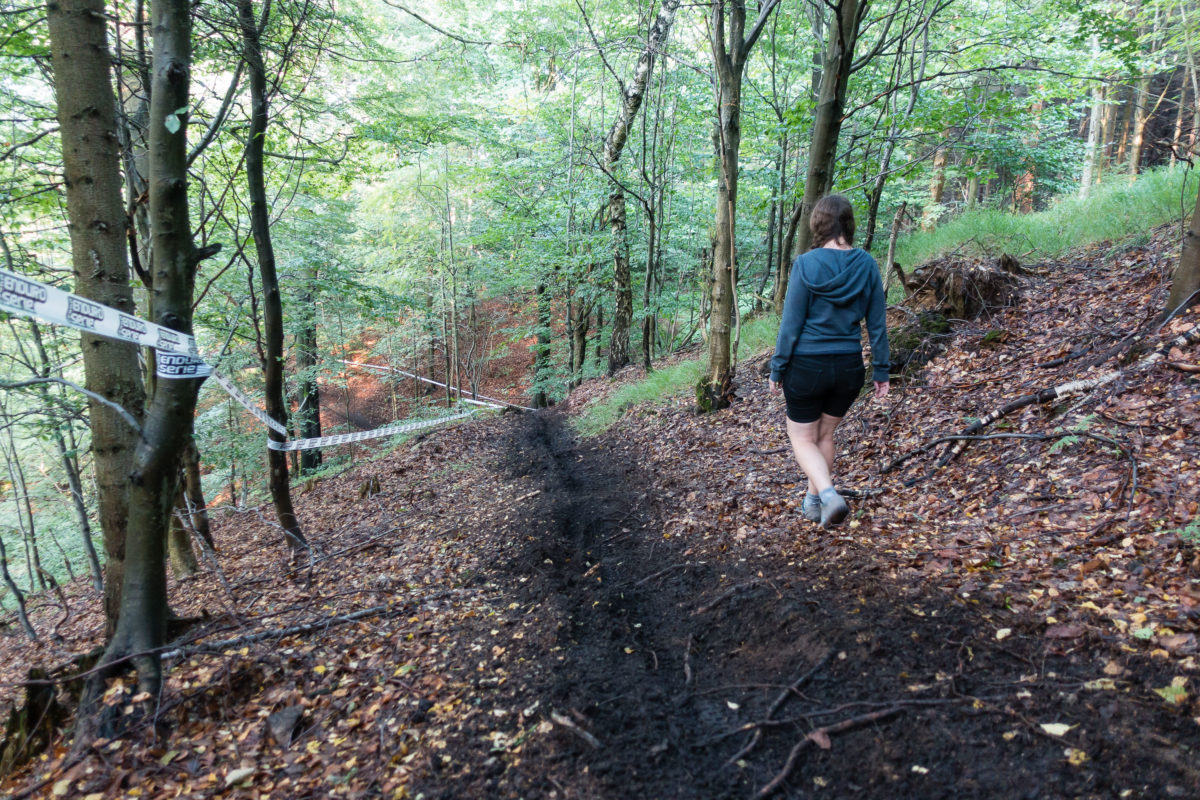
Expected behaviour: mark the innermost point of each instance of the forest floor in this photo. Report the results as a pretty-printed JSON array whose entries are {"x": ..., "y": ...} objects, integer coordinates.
[{"x": 514, "y": 611}]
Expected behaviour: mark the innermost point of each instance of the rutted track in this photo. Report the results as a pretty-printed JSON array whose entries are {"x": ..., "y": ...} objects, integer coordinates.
[{"x": 642, "y": 666}]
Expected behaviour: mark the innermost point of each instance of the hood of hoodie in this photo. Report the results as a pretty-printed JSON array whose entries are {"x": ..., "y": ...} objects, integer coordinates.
[{"x": 839, "y": 276}]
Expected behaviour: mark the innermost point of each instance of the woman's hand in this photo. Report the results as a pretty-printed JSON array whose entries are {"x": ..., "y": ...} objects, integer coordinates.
[
  {"x": 773, "y": 386},
  {"x": 881, "y": 389}
]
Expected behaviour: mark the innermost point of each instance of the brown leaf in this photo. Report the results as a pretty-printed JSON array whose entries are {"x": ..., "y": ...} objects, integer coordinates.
[{"x": 1071, "y": 631}]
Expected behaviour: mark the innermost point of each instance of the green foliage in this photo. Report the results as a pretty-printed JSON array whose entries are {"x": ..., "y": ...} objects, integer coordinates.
[
  {"x": 1116, "y": 209},
  {"x": 758, "y": 335}
]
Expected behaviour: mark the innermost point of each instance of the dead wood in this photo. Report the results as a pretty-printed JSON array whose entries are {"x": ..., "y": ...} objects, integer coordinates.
[
  {"x": 769, "y": 720},
  {"x": 963, "y": 290},
  {"x": 725, "y": 595},
  {"x": 1069, "y": 389}
]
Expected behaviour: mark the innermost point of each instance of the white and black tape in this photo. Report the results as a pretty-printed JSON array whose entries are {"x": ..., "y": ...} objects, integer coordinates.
[
  {"x": 248, "y": 404},
  {"x": 30, "y": 298},
  {"x": 174, "y": 365},
  {"x": 358, "y": 436},
  {"x": 177, "y": 356}
]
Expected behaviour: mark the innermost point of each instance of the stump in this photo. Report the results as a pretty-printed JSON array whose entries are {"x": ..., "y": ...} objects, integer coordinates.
[
  {"x": 959, "y": 289},
  {"x": 940, "y": 291}
]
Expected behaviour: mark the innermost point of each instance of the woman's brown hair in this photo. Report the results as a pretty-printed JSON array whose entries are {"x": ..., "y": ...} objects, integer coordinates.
[{"x": 832, "y": 219}]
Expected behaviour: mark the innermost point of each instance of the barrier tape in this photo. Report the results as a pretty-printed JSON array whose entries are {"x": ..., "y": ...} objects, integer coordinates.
[
  {"x": 177, "y": 356},
  {"x": 382, "y": 368},
  {"x": 358, "y": 436},
  {"x": 32, "y": 299},
  {"x": 248, "y": 404}
]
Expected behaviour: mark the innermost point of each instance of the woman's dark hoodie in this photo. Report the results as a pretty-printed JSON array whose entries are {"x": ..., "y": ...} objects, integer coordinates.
[{"x": 829, "y": 294}]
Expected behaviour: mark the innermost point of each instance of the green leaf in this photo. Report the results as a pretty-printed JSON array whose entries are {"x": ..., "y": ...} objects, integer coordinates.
[{"x": 173, "y": 124}]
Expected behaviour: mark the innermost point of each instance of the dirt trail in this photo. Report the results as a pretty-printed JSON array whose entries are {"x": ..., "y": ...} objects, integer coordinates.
[{"x": 647, "y": 667}]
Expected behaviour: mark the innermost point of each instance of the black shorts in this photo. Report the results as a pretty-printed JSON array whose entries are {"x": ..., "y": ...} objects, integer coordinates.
[{"x": 822, "y": 384}]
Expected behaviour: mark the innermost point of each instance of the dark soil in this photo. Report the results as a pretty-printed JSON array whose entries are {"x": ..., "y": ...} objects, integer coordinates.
[{"x": 649, "y": 668}]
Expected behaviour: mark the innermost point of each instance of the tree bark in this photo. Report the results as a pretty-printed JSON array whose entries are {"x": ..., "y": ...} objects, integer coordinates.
[
  {"x": 1091, "y": 153},
  {"x": 154, "y": 479},
  {"x": 179, "y": 542},
  {"x": 307, "y": 358},
  {"x": 260, "y": 224},
  {"x": 1185, "y": 282},
  {"x": 614, "y": 143},
  {"x": 731, "y": 46},
  {"x": 827, "y": 120},
  {"x": 1141, "y": 116},
  {"x": 91, "y": 161}
]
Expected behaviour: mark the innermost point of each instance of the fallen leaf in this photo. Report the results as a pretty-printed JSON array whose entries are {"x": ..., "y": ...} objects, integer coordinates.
[
  {"x": 1175, "y": 693},
  {"x": 1056, "y": 728},
  {"x": 1075, "y": 756},
  {"x": 1064, "y": 632},
  {"x": 238, "y": 775},
  {"x": 1003, "y": 634}
]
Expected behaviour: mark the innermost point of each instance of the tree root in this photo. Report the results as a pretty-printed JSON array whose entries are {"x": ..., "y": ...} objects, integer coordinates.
[{"x": 820, "y": 737}]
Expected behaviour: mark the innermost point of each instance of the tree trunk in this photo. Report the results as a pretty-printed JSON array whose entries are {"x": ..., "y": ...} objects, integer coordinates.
[
  {"x": 179, "y": 542},
  {"x": 260, "y": 224},
  {"x": 1141, "y": 116},
  {"x": 614, "y": 143},
  {"x": 731, "y": 46},
  {"x": 1091, "y": 153},
  {"x": 307, "y": 358},
  {"x": 141, "y": 626},
  {"x": 827, "y": 117},
  {"x": 541, "y": 350},
  {"x": 91, "y": 161},
  {"x": 1185, "y": 282},
  {"x": 937, "y": 185},
  {"x": 1127, "y": 115},
  {"x": 193, "y": 492},
  {"x": 18, "y": 595}
]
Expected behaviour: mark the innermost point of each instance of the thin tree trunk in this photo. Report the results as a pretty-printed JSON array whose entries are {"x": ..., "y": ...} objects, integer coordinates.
[
  {"x": 827, "y": 117},
  {"x": 614, "y": 143},
  {"x": 17, "y": 594},
  {"x": 193, "y": 493},
  {"x": 87, "y": 121},
  {"x": 1141, "y": 116},
  {"x": 1091, "y": 153},
  {"x": 179, "y": 542},
  {"x": 1185, "y": 283},
  {"x": 260, "y": 224},
  {"x": 307, "y": 358}
]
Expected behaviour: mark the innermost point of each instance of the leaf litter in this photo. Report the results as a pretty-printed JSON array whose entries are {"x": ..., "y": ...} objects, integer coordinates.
[{"x": 517, "y": 613}]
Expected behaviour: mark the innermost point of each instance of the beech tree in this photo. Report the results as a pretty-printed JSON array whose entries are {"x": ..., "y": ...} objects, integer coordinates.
[
  {"x": 86, "y": 109},
  {"x": 272, "y": 357},
  {"x": 627, "y": 111},
  {"x": 153, "y": 479},
  {"x": 731, "y": 44}
]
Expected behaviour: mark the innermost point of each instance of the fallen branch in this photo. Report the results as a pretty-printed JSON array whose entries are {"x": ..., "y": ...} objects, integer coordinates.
[
  {"x": 1072, "y": 388},
  {"x": 821, "y": 737},
  {"x": 728, "y": 593},
  {"x": 795, "y": 688},
  {"x": 662, "y": 572}
]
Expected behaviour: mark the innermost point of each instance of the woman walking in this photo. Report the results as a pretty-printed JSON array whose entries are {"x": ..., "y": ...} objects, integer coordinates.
[{"x": 818, "y": 355}]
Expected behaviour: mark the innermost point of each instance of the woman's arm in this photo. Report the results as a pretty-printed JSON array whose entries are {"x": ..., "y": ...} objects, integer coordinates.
[
  {"x": 795, "y": 307},
  {"x": 877, "y": 329}
]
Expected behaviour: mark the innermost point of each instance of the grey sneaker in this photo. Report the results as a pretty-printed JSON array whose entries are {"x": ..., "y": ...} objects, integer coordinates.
[
  {"x": 833, "y": 508},
  {"x": 810, "y": 509}
]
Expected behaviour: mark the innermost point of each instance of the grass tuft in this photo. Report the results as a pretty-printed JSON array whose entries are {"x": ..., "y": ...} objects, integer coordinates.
[{"x": 1116, "y": 209}]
